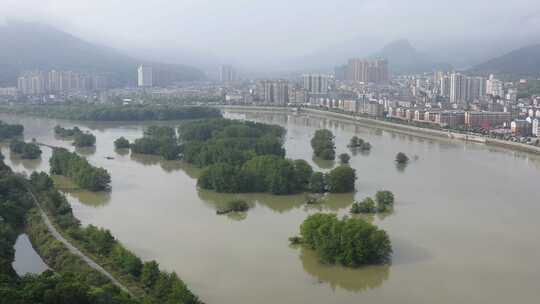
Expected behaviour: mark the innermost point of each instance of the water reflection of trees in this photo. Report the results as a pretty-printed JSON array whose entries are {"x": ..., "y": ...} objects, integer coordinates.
[
  {"x": 167, "y": 165},
  {"x": 122, "y": 152},
  {"x": 89, "y": 198},
  {"x": 278, "y": 203},
  {"x": 350, "y": 279},
  {"x": 324, "y": 164},
  {"x": 86, "y": 151},
  {"x": 28, "y": 164},
  {"x": 370, "y": 218},
  {"x": 400, "y": 167},
  {"x": 333, "y": 202},
  {"x": 358, "y": 151}
]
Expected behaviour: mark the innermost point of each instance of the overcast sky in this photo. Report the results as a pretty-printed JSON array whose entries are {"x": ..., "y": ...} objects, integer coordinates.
[{"x": 238, "y": 29}]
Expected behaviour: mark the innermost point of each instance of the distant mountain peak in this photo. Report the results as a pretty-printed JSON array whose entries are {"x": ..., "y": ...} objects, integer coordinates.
[
  {"x": 29, "y": 46},
  {"x": 403, "y": 58},
  {"x": 399, "y": 44},
  {"x": 522, "y": 62}
]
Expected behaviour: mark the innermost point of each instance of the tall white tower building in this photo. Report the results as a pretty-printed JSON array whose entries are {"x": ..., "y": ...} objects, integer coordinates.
[{"x": 144, "y": 76}]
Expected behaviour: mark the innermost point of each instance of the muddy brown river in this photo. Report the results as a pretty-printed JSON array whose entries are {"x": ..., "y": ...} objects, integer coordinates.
[{"x": 465, "y": 227}]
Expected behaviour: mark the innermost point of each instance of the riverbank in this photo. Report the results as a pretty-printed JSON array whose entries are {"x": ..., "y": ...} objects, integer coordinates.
[
  {"x": 55, "y": 249},
  {"x": 410, "y": 130},
  {"x": 66, "y": 246}
]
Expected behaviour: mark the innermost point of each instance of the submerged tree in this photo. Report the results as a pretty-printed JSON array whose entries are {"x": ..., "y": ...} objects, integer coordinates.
[
  {"x": 341, "y": 179},
  {"x": 350, "y": 241},
  {"x": 344, "y": 158},
  {"x": 365, "y": 206},
  {"x": 385, "y": 200},
  {"x": 323, "y": 144},
  {"x": 402, "y": 158},
  {"x": 121, "y": 143}
]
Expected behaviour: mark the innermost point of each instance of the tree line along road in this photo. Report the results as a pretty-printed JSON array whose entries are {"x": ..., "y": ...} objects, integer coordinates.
[{"x": 74, "y": 250}]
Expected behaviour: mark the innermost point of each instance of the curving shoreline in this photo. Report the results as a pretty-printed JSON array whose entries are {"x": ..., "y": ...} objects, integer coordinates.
[{"x": 411, "y": 130}]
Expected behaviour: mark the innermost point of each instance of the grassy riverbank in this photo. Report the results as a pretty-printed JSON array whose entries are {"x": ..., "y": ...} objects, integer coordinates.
[{"x": 58, "y": 257}]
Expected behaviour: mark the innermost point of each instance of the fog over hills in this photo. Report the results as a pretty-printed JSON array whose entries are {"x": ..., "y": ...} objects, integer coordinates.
[
  {"x": 405, "y": 59},
  {"x": 290, "y": 36},
  {"x": 38, "y": 46},
  {"x": 523, "y": 62}
]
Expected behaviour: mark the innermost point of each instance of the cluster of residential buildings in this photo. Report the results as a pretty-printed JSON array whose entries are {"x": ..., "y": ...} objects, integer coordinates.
[
  {"x": 362, "y": 86},
  {"x": 460, "y": 89},
  {"x": 453, "y": 118},
  {"x": 363, "y": 70},
  {"x": 40, "y": 82},
  {"x": 149, "y": 76}
]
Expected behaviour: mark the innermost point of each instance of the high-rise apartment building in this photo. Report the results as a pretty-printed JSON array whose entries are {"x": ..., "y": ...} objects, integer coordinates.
[
  {"x": 445, "y": 86},
  {"x": 359, "y": 70},
  {"x": 32, "y": 83},
  {"x": 494, "y": 87},
  {"x": 38, "y": 82},
  {"x": 145, "y": 76},
  {"x": 273, "y": 91},
  {"x": 63, "y": 81},
  {"x": 281, "y": 92},
  {"x": 459, "y": 88},
  {"x": 227, "y": 74},
  {"x": 316, "y": 83},
  {"x": 478, "y": 87},
  {"x": 536, "y": 127}
]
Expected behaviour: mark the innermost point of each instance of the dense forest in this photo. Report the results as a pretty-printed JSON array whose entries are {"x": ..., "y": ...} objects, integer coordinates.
[
  {"x": 8, "y": 131},
  {"x": 323, "y": 144},
  {"x": 157, "y": 140},
  {"x": 240, "y": 156},
  {"x": 84, "y": 140},
  {"x": 25, "y": 150},
  {"x": 118, "y": 112},
  {"x": 350, "y": 242},
  {"x": 80, "y": 138},
  {"x": 229, "y": 141},
  {"x": 72, "y": 165},
  {"x": 66, "y": 133}
]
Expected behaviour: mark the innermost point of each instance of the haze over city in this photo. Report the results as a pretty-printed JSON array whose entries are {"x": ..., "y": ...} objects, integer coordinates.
[
  {"x": 235, "y": 151},
  {"x": 289, "y": 34}
]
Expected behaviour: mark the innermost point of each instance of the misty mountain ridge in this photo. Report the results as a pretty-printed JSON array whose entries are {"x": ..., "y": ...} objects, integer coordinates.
[
  {"x": 522, "y": 62},
  {"x": 403, "y": 58},
  {"x": 29, "y": 46}
]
